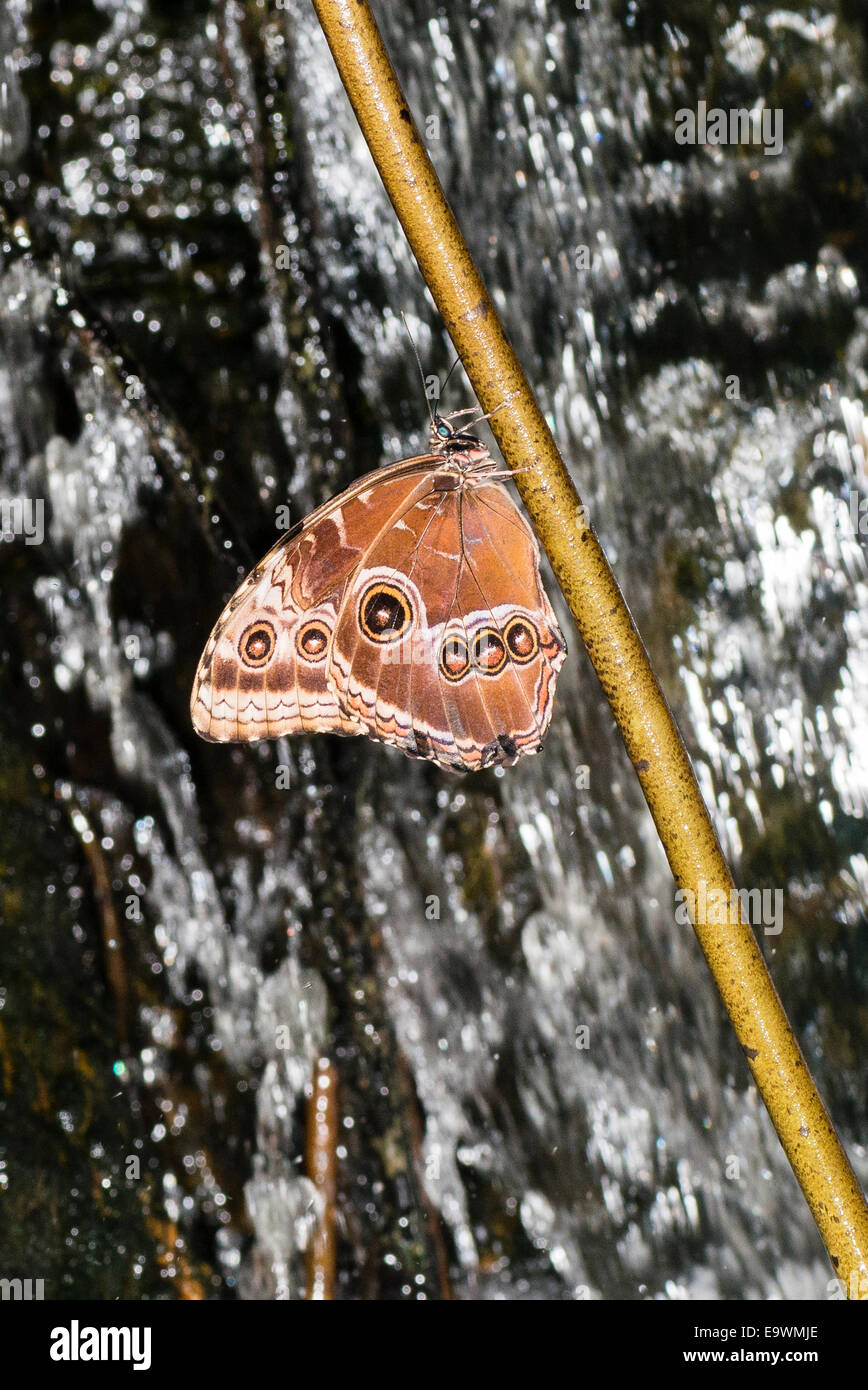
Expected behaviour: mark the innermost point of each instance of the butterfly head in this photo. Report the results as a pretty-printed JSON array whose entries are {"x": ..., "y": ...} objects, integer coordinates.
[{"x": 460, "y": 445}]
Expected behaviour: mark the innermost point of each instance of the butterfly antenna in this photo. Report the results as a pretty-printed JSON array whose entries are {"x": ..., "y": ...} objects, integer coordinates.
[
  {"x": 448, "y": 375},
  {"x": 421, "y": 369}
]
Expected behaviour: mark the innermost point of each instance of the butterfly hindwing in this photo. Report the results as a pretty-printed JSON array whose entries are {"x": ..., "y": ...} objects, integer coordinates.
[{"x": 445, "y": 643}]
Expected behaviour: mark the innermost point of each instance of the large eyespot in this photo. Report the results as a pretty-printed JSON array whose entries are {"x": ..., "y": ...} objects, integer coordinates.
[
  {"x": 521, "y": 639},
  {"x": 489, "y": 652},
  {"x": 312, "y": 640},
  {"x": 384, "y": 612},
  {"x": 454, "y": 658},
  {"x": 257, "y": 643}
]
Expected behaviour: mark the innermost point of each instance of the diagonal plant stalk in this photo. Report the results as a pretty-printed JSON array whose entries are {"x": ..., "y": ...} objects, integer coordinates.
[{"x": 613, "y": 643}]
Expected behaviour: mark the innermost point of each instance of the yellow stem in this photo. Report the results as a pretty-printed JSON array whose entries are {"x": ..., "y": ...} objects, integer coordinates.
[
  {"x": 615, "y": 647},
  {"x": 323, "y": 1119}
]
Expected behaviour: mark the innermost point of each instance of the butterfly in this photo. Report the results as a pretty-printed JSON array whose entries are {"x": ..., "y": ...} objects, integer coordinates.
[{"x": 408, "y": 608}]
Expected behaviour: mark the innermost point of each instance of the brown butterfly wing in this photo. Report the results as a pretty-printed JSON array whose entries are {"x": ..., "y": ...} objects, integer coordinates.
[
  {"x": 263, "y": 672},
  {"x": 445, "y": 643}
]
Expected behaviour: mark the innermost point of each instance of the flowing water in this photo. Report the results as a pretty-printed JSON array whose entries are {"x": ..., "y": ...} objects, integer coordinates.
[{"x": 199, "y": 320}]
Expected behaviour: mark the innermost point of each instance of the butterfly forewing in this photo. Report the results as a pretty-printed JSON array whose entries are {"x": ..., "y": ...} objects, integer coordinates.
[{"x": 244, "y": 692}]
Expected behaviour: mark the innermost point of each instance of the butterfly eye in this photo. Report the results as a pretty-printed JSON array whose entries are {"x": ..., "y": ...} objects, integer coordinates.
[
  {"x": 522, "y": 640},
  {"x": 384, "y": 612},
  {"x": 443, "y": 430},
  {"x": 454, "y": 658},
  {"x": 257, "y": 644},
  {"x": 312, "y": 641},
  {"x": 489, "y": 652}
]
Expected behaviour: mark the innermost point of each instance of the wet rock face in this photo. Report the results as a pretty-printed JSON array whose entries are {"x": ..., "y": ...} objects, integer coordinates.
[{"x": 199, "y": 299}]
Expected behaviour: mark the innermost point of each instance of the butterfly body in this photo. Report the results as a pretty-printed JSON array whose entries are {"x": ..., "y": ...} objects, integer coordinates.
[{"x": 409, "y": 608}]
